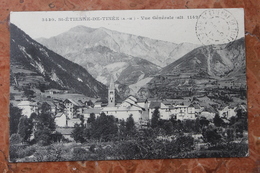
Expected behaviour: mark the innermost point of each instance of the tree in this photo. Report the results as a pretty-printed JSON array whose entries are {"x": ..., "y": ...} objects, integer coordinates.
[
  {"x": 239, "y": 127},
  {"x": 197, "y": 127},
  {"x": 15, "y": 115},
  {"x": 104, "y": 128},
  {"x": 33, "y": 116},
  {"x": 130, "y": 124},
  {"x": 174, "y": 122},
  {"x": 189, "y": 126},
  {"x": 43, "y": 136},
  {"x": 155, "y": 118},
  {"x": 168, "y": 127},
  {"x": 45, "y": 108},
  {"x": 122, "y": 130},
  {"x": 45, "y": 125},
  {"x": 79, "y": 131},
  {"x": 204, "y": 122},
  {"x": 211, "y": 135},
  {"x": 232, "y": 120},
  {"x": 25, "y": 128},
  {"x": 179, "y": 126},
  {"x": 46, "y": 120},
  {"x": 217, "y": 120},
  {"x": 184, "y": 143},
  {"x": 242, "y": 119},
  {"x": 91, "y": 118}
]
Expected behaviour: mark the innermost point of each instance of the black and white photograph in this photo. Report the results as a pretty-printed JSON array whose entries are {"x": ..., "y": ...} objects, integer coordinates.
[{"x": 127, "y": 84}]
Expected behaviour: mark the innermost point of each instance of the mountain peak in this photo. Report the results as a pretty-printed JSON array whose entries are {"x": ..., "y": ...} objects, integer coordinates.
[{"x": 81, "y": 28}]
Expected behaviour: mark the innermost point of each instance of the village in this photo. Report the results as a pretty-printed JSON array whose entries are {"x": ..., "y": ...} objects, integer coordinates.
[{"x": 67, "y": 108}]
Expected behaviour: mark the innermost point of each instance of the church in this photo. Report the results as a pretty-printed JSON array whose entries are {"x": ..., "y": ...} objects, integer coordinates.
[
  {"x": 130, "y": 106},
  {"x": 142, "y": 111}
]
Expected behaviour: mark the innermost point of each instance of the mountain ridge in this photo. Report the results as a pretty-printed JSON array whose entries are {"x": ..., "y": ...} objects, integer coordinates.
[
  {"x": 213, "y": 69},
  {"x": 28, "y": 54},
  {"x": 156, "y": 51},
  {"x": 214, "y": 60}
]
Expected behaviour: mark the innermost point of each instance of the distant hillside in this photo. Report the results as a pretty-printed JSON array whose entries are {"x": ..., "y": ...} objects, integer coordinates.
[
  {"x": 107, "y": 62},
  {"x": 202, "y": 71},
  {"x": 29, "y": 55},
  {"x": 211, "y": 60}
]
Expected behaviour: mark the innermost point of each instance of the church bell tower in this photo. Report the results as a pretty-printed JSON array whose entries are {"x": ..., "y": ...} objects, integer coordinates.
[{"x": 111, "y": 93}]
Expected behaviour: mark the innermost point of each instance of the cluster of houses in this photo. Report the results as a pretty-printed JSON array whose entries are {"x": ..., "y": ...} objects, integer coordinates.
[{"x": 68, "y": 111}]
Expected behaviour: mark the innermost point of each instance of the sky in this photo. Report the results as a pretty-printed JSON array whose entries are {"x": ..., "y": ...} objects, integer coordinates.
[{"x": 175, "y": 26}]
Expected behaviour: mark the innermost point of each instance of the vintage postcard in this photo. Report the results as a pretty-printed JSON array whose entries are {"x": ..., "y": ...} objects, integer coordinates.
[{"x": 130, "y": 84}]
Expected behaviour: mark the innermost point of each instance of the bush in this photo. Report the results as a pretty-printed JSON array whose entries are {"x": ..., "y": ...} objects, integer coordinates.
[
  {"x": 28, "y": 151},
  {"x": 37, "y": 153},
  {"x": 79, "y": 154},
  {"x": 144, "y": 149},
  {"x": 106, "y": 152},
  {"x": 127, "y": 150},
  {"x": 220, "y": 150},
  {"x": 55, "y": 152},
  {"x": 184, "y": 143},
  {"x": 15, "y": 139},
  {"x": 232, "y": 149},
  {"x": 16, "y": 151},
  {"x": 25, "y": 152},
  {"x": 43, "y": 137},
  {"x": 211, "y": 136},
  {"x": 41, "y": 154}
]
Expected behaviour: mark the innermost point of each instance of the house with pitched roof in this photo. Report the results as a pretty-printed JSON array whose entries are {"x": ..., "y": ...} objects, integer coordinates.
[
  {"x": 73, "y": 108},
  {"x": 52, "y": 105},
  {"x": 61, "y": 120},
  {"x": 87, "y": 111},
  {"x": 28, "y": 107},
  {"x": 183, "y": 112},
  {"x": 163, "y": 109},
  {"x": 128, "y": 107},
  {"x": 227, "y": 112}
]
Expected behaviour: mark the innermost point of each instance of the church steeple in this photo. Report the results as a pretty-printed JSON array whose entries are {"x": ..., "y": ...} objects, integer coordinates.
[
  {"x": 112, "y": 83},
  {"x": 111, "y": 93}
]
